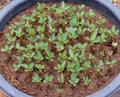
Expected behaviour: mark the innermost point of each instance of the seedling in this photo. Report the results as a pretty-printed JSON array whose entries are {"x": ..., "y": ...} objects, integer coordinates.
[
  {"x": 91, "y": 57},
  {"x": 60, "y": 90},
  {"x": 110, "y": 54},
  {"x": 60, "y": 67},
  {"x": 8, "y": 49},
  {"x": 87, "y": 66},
  {"x": 86, "y": 81},
  {"x": 110, "y": 64},
  {"x": 61, "y": 80},
  {"x": 101, "y": 21},
  {"x": 40, "y": 67},
  {"x": 48, "y": 79},
  {"x": 99, "y": 68},
  {"x": 19, "y": 48},
  {"x": 73, "y": 79},
  {"x": 36, "y": 79},
  {"x": 90, "y": 15}
]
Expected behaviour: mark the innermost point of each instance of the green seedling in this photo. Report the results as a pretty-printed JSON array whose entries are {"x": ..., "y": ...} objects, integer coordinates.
[
  {"x": 87, "y": 66},
  {"x": 41, "y": 29},
  {"x": 91, "y": 57},
  {"x": 7, "y": 49},
  {"x": 60, "y": 67},
  {"x": 61, "y": 79},
  {"x": 62, "y": 37},
  {"x": 20, "y": 59},
  {"x": 110, "y": 53},
  {"x": 51, "y": 21},
  {"x": 50, "y": 55},
  {"x": 40, "y": 67},
  {"x": 81, "y": 47},
  {"x": 29, "y": 56},
  {"x": 52, "y": 38},
  {"x": 30, "y": 47},
  {"x": 102, "y": 54},
  {"x": 99, "y": 68},
  {"x": 10, "y": 38},
  {"x": 36, "y": 79},
  {"x": 48, "y": 79},
  {"x": 92, "y": 40},
  {"x": 60, "y": 90},
  {"x": 20, "y": 48},
  {"x": 101, "y": 21},
  {"x": 81, "y": 7},
  {"x": 70, "y": 66},
  {"x": 41, "y": 7},
  {"x": 83, "y": 22},
  {"x": 82, "y": 58},
  {"x": 72, "y": 55},
  {"x": 38, "y": 57},
  {"x": 74, "y": 80},
  {"x": 63, "y": 55},
  {"x": 29, "y": 68},
  {"x": 74, "y": 22},
  {"x": 77, "y": 67},
  {"x": 31, "y": 39},
  {"x": 59, "y": 46},
  {"x": 111, "y": 63},
  {"x": 41, "y": 45},
  {"x": 86, "y": 81},
  {"x": 81, "y": 32},
  {"x": 51, "y": 29},
  {"x": 16, "y": 67},
  {"x": 31, "y": 31},
  {"x": 90, "y": 15},
  {"x": 52, "y": 10},
  {"x": 113, "y": 32}
]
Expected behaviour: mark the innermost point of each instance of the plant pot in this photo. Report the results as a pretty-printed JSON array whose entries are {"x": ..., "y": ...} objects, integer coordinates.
[{"x": 16, "y": 6}]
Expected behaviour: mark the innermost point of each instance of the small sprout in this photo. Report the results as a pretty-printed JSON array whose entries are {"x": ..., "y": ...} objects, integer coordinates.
[
  {"x": 87, "y": 66},
  {"x": 60, "y": 90},
  {"x": 113, "y": 32},
  {"x": 48, "y": 79},
  {"x": 16, "y": 66},
  {"x": 110, "y": 54},
  {"x": 73, "y": 79},
  {"x": 62, "y": 37},
  {"x": 74, "y": 22},
  {"x": 61, "y": 79},
  {"x": 8, "y": 49},
  {"x": 81, "y": 7},
  {"x": 81, "y": 33},
  {"x": 60, "y": 67},
  {"x": 59, "y": 46},
  {"x": 110, "y": 63},
  {"x": 114, "y": 44},
  {"x": 81, "y": 47},
  {"x": 20, "y": 59},
  {"x": 91, "y": 57},
  {"x": 101, "y": 21},
  {"x": 30, "y": 47},
  {"x": 41, "y": 7},
  {"x": 99, "y": 67},
  {"x": 39, "y": 57},
  {"x": 50, "y": 55},
  {"x": 10, "y": 38},
  {"x": 31, "y": 31},
  {"x": 102, "y": 54},
  {"x": 51, "y": 29},
  {"x": 82, "y": 57},
  {"x": 29, "y": 55},
  {"x": 41, "y": 45},
  {"x": 63, "y": 55},
  {"x": 90, "y": 15},
  {"x": 70, "y": 66},
  {"x": 52, "y": 38},
  {"x": 40, "y": 67},
  {"x": 72, "y": 55},
  {"x": 29, "y": 68},
  {"x": 40, "y": 29},
  {"x": 19, "y": 48},
  {"x": 86, "y": 81},
  {"x": 31, "y": 39},
  {"x": 83, "y": 22},
  {"x": 36, "y": 79}
]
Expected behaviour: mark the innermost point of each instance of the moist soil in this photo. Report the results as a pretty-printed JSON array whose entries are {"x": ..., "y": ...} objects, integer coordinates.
[{"x": 22, "y": 82}]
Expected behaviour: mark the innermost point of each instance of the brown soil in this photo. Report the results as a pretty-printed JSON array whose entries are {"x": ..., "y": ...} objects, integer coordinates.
[
  {"x": 23, "y": 82},
  {"x": 3, "y": 3}
]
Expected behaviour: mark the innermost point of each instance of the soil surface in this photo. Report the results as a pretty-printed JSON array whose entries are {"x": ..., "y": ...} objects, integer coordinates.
[
  {"x": 23, "y": 83},
  {"x": 3, "y": 3}
]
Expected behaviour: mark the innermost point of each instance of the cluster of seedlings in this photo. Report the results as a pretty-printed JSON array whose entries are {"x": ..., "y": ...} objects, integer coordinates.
[{"x": 63, "y": 38}]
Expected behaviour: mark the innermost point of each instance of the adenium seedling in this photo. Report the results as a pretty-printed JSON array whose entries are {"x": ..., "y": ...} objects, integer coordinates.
[
  {"x": 60, "y": 67},
  {"x": 86, "y": 81},
  {"x": 72, "y": 55},
  {"x": 48, "y": 79},
  {"x": 60, "y": 90},
  {"x": 40, "y": 67},
  {"x": 19, "y": 48},
  {"x": 99, "y": 67},
  {"x": 74, "y": 80},
  {"x": 101, "y": 21},
  {"x": 63, "y": 55},
  {"x": 38, "y": 57},
  {"x": 50, "y": 55},
  {"x": 29, "y": 55},
  {"x": 16, "y": 66},
  {"x": 111, "y": 63},
  {"x": 61, "y": 79},
  {"x": 90, "y": 14},
  {"x": 36, "y": 79},
  {"x": 10, "y": 38}
]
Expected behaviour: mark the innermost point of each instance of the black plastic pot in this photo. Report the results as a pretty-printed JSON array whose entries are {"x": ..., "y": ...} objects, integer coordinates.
[{"x": 104, "y": 6}]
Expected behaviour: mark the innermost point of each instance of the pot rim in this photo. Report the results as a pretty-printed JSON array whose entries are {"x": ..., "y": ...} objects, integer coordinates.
[{"x": 104, "y": 6}]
